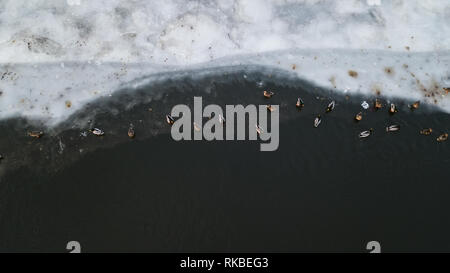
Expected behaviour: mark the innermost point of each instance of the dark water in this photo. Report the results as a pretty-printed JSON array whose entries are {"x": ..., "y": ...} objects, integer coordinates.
[{"x": 323, "y": 190}]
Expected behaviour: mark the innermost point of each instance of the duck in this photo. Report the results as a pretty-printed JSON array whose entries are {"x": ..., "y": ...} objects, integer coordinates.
[
  {"x": 97, "y": 132},
  {"x": 131, "y": 132},
  {"x": 415, "y": 105},
  {"x": 442, "y": 137},
  {"x": 393, "y": 109},
  {"x": 426, "y": 131},
  {"x": 393, "y": 128},
  {"x": 36, "y": 134},
  {"x": 299, "y": 103},
  {"x": 221, "y": 119},
  {"x": 317, "y": 121},
  {"x": 365, "y": 134},
  {"x": 268, "y": 94},
  {"x": 259, "y": 129},
  {"x": 330, "y": 106},
  {"x": 270, "y": 108},
  {"x": 365, "y": 105},
  {"x": 377, "y": 104},
  {"x": 196, "y": 127},
  {"x": 358, "y": 116},
  {"x": 170, "y": 120}
]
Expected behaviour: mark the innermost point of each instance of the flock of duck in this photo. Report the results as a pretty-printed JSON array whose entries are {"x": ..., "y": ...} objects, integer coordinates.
[
  {"x": 377, "y": 105},
  {"x": 358, "y": 117},
  {"x": 364, "y": 134},
  {"x": 299, "y": 104}
]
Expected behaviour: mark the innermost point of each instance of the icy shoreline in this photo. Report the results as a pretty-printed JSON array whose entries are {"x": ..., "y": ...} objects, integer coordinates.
[
  {"x": 52, "y": 92},
  {"x": 57, "y": 56}
]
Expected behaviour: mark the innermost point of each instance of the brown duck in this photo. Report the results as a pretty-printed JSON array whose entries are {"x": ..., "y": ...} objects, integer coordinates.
[
  {"x": 426, "y": 131},
  {"x": 36, "y": 134},
  {"x": 131, "y": 133},
  {"x": 268, "y": 94},
  {"x": 415, "y": 105},
  {"x": 442, "y": 138},
  {"x": 377, "y": 104}
]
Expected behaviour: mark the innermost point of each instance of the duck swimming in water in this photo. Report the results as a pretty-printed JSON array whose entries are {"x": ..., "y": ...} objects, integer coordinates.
[
  {"x": 358, "y": 116},
  {"x": 317, "y": 121},
  {"x": 196, "y": 127},
  {"x": 393, "y": 128},
  {"x": 131, "y": 132},
  {"x": 268, "y": 94},
  {"x": 221, "y": 119},
  {"x": 415, "y": 105},
  {"x": 330, "y": 106},
  {"x": 393, "y": 109},
  {"x": 97, "y": 132},
  {"x": 36, "y": 134},
  {"x": 442, "y": 138},
  {"x": 271, "y": 108},
  {"x": 426, "y": 132},
  {"x": 299, "y": 103},
  {"x": 365, "y": 105},
  {"x": 377, "y": 104},
  {"x": 259, "y": 129},
  {"x": 170, "y": 120},
  {"x": 365, "y": 134}
]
